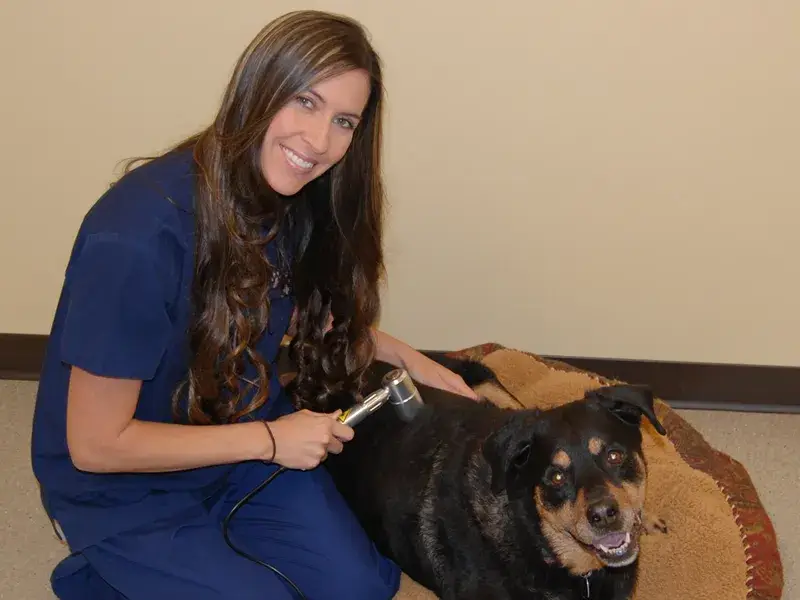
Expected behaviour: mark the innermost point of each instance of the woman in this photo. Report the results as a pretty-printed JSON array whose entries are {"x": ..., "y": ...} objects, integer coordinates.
[{"x": 159, "y": 407}]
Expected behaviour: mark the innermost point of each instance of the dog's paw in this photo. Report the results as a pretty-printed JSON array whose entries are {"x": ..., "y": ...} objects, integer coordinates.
[{"x": 652, "y": 525}]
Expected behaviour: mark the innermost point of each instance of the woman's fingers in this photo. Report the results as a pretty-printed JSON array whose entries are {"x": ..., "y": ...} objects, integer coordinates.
[
  {"x": 340, "y": 430},
  {"x": 335, "y": 446},
  {"x": 457, "y": 384}
]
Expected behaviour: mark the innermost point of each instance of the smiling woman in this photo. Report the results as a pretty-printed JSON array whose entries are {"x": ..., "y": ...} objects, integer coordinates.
[
  {"x": 312, "y": 133},
  {"x": 159, "y": 407}
]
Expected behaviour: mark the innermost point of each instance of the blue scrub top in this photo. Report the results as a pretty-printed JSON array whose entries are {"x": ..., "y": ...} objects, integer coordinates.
[{"x": 124, "y": 312}]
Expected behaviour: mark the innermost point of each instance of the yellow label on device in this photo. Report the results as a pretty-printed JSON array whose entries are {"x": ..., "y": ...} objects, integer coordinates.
[{"x": 343, "y": 416}]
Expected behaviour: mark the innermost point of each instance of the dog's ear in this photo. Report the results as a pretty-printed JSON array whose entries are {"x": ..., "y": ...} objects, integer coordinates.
[
  {"x": 508, "y": 451},
  {"x": 628, "y": 403}
]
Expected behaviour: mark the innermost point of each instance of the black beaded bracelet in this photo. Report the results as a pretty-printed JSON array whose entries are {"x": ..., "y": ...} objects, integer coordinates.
[{"x": 272, "y": 437}]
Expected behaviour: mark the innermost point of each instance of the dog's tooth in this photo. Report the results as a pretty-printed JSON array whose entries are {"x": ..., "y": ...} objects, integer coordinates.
[{"x": 620, "y": 550}]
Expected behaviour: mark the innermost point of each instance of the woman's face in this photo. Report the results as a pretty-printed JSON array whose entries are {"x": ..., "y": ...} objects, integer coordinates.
[{"x": 313, "y": 131}]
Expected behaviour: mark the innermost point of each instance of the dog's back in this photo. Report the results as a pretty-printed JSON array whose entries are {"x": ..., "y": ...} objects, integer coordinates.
[{"x": 398, "y": 476}]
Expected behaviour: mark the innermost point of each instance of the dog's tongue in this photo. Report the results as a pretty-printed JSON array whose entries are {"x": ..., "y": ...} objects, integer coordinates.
[{"x": 611, "y": 540}]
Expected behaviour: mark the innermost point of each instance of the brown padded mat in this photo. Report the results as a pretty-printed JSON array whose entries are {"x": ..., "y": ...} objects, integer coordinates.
[{"x": 721, "y": 544}]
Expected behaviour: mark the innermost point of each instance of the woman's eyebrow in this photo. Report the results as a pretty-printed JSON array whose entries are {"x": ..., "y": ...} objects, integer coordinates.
[{"x": 322, "y": 100}]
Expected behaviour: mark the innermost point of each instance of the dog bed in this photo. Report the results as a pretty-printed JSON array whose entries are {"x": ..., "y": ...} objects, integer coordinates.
[{"x": 720, "y": 543}]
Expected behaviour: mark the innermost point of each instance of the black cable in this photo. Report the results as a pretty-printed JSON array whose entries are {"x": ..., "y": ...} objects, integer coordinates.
[{"x": 235, "y": 509}]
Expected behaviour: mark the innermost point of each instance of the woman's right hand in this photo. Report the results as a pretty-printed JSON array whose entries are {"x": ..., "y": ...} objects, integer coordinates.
[{"x": 304, "y": 439}]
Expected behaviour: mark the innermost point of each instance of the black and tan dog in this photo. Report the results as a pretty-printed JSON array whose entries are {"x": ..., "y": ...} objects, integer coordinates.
[{"x": 477, "y": 502}]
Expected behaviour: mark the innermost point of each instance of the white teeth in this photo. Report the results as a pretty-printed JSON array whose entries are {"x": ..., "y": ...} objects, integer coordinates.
[
  {"x": 296, "y": 160},
  {"x": 618, "y": 551}
]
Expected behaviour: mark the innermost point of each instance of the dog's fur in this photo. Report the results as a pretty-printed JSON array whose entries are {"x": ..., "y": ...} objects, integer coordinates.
[{"x": 477, "y": 502}]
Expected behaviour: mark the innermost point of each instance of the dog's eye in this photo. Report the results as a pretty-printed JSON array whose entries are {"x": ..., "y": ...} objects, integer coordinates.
[
  {"x": 615, "y": 457},
  {"x": 558, "y": 478}
]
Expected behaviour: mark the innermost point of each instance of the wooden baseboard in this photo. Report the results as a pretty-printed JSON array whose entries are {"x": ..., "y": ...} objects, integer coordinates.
[
  {"x": 760, "y": 388},
  {"x": 21, "y": 355}
]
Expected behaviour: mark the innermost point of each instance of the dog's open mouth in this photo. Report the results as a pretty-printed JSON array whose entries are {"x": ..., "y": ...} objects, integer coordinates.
[{"x": 617, "y": 549}]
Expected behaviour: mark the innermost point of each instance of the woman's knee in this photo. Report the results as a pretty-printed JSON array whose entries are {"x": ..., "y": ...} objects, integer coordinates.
[{"x": 373, "y": 578}]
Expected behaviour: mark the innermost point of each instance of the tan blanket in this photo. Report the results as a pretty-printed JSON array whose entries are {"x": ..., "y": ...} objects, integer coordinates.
[{"x": 704, "y": 555}]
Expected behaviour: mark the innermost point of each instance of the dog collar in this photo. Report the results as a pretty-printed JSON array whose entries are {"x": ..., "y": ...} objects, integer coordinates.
[{"x": 588, "y": 586}]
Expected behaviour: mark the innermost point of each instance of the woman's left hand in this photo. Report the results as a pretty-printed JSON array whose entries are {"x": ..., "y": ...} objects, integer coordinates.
[{"x": 428, "y": 372}]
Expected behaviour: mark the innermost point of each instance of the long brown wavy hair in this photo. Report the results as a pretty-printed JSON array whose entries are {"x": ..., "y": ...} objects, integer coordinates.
[{"x": 332, "y": 229}]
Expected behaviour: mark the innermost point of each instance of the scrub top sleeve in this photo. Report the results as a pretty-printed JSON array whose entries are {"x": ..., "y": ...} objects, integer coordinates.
[{"x": 117, "y": 320}]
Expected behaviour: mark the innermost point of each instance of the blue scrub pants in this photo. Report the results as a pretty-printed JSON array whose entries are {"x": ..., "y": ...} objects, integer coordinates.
[{"x": 299, "y": 524}]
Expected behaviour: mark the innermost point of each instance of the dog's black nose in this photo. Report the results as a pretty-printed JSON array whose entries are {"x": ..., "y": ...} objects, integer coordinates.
[{"x": 603, "y": 513}]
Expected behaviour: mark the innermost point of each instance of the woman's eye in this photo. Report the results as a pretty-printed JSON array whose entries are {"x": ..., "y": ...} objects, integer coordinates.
[
  {"x": 346, "y": 123},
  {"x": 305, "y": 102}
]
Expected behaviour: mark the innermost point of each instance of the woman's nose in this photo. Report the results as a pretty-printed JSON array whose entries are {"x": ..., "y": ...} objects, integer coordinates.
[{"x": 317, "y": 134}]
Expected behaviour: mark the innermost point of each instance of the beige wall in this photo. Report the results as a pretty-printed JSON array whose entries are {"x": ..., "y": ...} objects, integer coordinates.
[{"x": 601, "y": 178}]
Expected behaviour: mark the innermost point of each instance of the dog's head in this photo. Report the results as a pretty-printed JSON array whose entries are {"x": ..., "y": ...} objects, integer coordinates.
[{"x": 577, "y": 472}]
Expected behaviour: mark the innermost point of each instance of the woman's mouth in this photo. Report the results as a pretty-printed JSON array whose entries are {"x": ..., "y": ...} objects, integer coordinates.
[{"x": 296, "y": 161}]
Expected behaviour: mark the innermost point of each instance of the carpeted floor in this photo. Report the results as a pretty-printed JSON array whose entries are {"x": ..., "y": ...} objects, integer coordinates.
[{"x": 767, "y": 445}]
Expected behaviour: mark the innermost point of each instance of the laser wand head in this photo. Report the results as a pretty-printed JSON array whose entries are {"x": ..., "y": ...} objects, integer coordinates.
[
  {"x": 396, "y": 388},
  {"x": 403, "y": 394}
]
